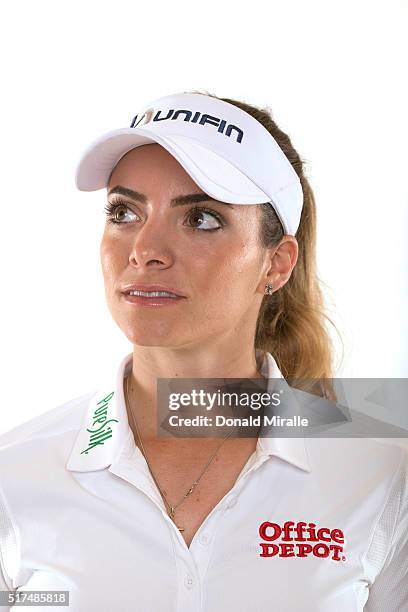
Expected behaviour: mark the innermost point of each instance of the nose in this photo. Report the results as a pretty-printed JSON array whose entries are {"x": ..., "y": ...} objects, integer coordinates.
[{"x": 151, "y": 244}]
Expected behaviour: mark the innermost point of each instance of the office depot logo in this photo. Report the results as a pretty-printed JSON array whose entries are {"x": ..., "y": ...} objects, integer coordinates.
[{"x": 301, "y": 540}]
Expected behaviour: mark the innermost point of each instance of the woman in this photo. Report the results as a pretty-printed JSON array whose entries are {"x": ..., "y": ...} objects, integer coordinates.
[{"x": 208, "y": 258}]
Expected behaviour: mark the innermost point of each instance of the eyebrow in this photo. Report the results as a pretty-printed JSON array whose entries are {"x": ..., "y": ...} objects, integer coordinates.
[{"x": 191, "y": 198}]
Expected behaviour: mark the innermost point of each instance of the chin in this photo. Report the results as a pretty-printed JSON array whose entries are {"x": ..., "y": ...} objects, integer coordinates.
[{"x": 150, "y": 335}]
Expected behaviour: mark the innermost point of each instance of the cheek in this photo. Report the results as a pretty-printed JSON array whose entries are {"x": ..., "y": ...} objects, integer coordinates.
[
  {"x": 112, "y": 256},
  {"x": 232, "y": 268},
  {"x": 240, "y": 261}
]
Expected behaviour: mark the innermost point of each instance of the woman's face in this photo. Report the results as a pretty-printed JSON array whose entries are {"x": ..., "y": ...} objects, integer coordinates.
[{"x": 221, "y": 273}]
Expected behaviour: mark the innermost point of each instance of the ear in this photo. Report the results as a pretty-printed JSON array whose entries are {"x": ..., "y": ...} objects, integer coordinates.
[{"x": 280, "y": 261}]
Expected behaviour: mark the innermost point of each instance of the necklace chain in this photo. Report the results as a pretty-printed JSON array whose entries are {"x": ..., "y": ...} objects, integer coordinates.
[{"x": 172, "y": 509}]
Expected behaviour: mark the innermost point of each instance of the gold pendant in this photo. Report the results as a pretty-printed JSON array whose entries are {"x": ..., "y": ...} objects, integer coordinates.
[{"x": 171, "y": 515}]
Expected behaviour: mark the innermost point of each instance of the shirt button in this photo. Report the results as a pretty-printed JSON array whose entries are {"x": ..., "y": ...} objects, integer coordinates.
[
  {"x": 188, "y": 581},
  {"x": 231, "y": 501},
  {"x": 204, "y": 539}
]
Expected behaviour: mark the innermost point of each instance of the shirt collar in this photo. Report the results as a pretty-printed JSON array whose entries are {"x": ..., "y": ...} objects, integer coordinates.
[
  {"x": 105, "y": 428},
  {"x": 293, "y": 450}
]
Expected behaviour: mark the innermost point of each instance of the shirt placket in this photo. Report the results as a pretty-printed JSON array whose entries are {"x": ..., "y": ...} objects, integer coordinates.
[{"x": 191, "y": 562}]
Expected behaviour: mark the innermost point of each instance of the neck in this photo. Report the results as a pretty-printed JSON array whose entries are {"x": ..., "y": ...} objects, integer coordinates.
[{"x": 152, "y": 363}]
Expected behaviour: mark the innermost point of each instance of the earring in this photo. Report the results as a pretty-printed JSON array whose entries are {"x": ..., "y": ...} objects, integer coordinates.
[{"x": 268, "y": 289}]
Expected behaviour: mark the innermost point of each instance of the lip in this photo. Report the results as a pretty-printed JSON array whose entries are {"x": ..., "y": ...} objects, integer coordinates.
[
  {"x": 152, "y": 302},
  {"x": 141, "y": 287}
]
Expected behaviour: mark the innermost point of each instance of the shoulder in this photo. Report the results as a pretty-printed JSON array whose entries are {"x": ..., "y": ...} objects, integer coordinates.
[
  {"x": 40, "y": 434},
  {"x": 370, "y": 472},
  {"x": 358, "y": 458},
  {"x": 32, "y": 459}
]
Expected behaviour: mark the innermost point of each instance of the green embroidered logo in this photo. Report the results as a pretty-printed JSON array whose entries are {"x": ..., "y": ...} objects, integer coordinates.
[{"x": 102, "y": 433}]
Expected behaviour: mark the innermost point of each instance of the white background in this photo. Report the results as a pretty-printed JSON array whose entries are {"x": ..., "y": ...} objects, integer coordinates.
[{"x": 335, "y": 77}]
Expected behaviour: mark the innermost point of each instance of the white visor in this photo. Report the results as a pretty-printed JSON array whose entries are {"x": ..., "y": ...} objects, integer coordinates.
[{"x": 226, "y": 151}]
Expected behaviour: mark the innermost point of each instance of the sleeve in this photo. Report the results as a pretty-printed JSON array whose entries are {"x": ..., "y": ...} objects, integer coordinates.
[
  {"x": 389, "y": 590},
  {"x": 4, "y": 587},
  {"x": 8, "y": 549}
]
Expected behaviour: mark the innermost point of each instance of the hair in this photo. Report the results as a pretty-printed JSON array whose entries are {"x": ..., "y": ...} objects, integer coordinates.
[{"x": 291, "y": 323}]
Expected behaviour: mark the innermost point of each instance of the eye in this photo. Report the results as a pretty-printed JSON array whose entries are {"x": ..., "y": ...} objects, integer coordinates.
[
  {"x": 116, "y": 213},
  {"x": 198, "y": 212},
  {"x": 120, "y": 208}
]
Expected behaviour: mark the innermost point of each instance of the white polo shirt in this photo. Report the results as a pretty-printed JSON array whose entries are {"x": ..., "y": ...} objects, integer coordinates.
[{"x": 310, "y": 524}]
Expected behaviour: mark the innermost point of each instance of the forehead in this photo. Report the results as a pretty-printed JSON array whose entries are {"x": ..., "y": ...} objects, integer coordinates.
[
  {"x": 151, "y": 164},
  {"x": 152, "y": 172}
]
